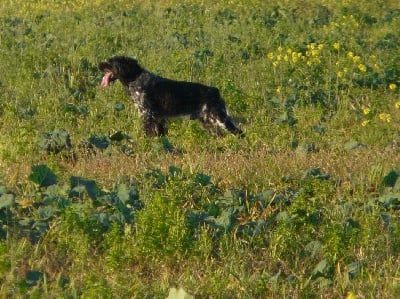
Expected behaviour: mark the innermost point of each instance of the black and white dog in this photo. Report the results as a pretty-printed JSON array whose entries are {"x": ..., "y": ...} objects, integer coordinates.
[{"x": 158, "y": 99}]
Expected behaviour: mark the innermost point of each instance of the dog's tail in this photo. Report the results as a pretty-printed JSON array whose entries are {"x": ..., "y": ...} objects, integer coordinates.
[{"x": 231, "y": 127}]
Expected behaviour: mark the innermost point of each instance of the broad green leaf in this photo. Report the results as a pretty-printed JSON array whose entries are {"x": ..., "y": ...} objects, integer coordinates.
[
  {"x": 386, "y": 220},
  {"x": 227, "y": 219},
  {"x": 315, "y": 173},
  {"x": 115, "y": 135},
  {"x": 43, "y": 176},
  {"x": 163, "y": 144},
  {"x": 119, "y": 107},
  {"x": 90, "y": 186},
  {"x": 26, "y": 222},
  {"x": 174, "y": 171},
  {"x": 318, "y": 129},
  {"x": 323, "y": 282},
  {"x": 123, "y": 193},
  {"x": 120, "y": 218},
  {"x": 321, "y": 269},
  {"x": 57, "y": 196},
  {"x": 2, "y": 190},
  {"x": 306, "y": 148},
  {"x": 283, "y": 216},
  {"x": 396, "y": 187},
  {"x": 33, "y": 277},
  {"x": 314, "y": 248},
  {"x": 275, "y": 279},
  {"x": 56, "y": 141},
  {"x": 63, "y": 282},
  {"x": 178, "y": 294},
  {"x": 39, "y": 229},
  {"x": 77, "y": 192},
  {"x": 254, "y": 228},
  {"x": 7, "y": 200},
  {"x": 353, "y": 145},
  {"x": 80, "y": 110},
  {"x": 391, "y": 178},
  {"x": 160, "y": 177},
  {"x": 350, "y": 223},
  {"x": 232, "y": 197},
  {"x": 195, "y": 218},
  {"x": 46, "y": 212},
  {"x": 265, "y": 197},
  {"x": 100, "y": 141},
  {"x": 103, "y": 219},
  {"x": 390, "y": 201},
  {"x": 202, "y": 179},
  {"x": 353, "y": 269}
]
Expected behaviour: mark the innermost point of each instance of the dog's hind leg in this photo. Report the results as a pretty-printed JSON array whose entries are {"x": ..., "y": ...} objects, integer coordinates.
[
  {"x": 162, "y": 127},
  {"x": 218, "y": 118},
  {"x": 228, "y": 125}
]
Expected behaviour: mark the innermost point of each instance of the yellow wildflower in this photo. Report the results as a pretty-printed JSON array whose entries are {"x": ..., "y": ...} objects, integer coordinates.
[
  {"x": 279, "y": 89},
  {"x": 270, "y": 55},
  {"x": 385, "y": 117},
  {"x": 316, "y": 60},
  {"x": 314, "y": 52},
  {"x": 365, "y": 123},
  {"x": 392, "y": 86},
  {"x": 336, "y": 46},
  {"x": 362, "y": 67},
  {"x": 397, "y": 105},
  {"x": 351, "y": 295},
  {"x": 366, "y": 111},
  {"x": 350, "y": 54}
]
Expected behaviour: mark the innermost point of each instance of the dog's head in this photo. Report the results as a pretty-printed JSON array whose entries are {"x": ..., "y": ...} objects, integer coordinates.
[{"x": 120, "y": 68}]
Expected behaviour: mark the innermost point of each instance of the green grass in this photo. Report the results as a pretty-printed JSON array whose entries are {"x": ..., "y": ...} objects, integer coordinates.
[{"x": 305, "y": 206}]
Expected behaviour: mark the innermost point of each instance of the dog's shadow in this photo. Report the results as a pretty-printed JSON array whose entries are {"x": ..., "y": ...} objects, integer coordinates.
[{"x": 163, "y": 143}]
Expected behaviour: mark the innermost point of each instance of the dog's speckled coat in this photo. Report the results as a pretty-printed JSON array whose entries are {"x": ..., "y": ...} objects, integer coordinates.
[{"x": 157, "y": 98}]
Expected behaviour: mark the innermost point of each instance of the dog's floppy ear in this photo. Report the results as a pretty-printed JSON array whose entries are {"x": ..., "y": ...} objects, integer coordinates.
[{"x": 105, "y": 67}]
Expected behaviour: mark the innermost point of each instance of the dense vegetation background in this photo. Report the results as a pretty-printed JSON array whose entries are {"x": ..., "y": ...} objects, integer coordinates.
[{"x": 305, "y": 206}]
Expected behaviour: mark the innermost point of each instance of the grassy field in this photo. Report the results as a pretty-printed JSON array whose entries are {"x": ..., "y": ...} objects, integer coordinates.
[{"x": 305, "y": 206}]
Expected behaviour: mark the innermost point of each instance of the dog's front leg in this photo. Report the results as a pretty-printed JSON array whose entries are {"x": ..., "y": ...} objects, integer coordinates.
[
  {"x": 154, "y": 126},
  {"x": 162, "y": 128},
  {"x": 149, "y": 125}
]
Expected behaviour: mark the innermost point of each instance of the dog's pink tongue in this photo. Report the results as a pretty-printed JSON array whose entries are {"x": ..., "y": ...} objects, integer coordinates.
[{"x": 106, "y": 79}]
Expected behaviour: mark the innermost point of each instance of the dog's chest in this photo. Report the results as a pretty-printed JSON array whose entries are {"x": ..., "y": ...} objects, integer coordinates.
[
  {"x": 137, "y": 88},
  {"x": 138, "y": 98}
]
